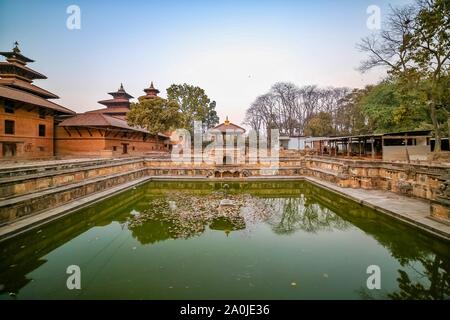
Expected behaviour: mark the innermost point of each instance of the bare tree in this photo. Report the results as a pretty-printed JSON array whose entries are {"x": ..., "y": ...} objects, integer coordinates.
[{"x": 414, "y": 46}]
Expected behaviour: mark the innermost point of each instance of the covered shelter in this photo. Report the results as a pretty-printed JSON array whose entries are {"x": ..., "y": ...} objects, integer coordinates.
[{"x": 394, "y": 146}]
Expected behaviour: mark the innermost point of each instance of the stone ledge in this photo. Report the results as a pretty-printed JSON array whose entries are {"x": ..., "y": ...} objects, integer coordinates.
[
  {"x": 33, "y": 221},
  {"x": 22, "y": 185},
  {"x": 48, "y": 166},
  {"x": 25, "y": 205},
  {"x": 43, "y": 174}
]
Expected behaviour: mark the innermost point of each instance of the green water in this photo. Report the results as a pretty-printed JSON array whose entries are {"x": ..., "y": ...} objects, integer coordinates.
[{"x": 312, "y": 245}]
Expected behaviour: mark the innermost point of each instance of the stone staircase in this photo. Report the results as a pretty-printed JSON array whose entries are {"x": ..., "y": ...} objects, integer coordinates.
[{"x": 38, "y": 188}]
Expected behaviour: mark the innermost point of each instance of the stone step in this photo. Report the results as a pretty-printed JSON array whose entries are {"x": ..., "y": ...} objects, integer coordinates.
[
  {"x": 38, "y": 219},
  {"x": 50, "y": 166},
  {"x": 22, "y": 206},
  {"x": 23, "y": 184}
]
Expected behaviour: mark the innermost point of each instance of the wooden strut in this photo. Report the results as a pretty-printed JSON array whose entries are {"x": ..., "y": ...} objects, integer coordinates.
[
  {"x": 68, "y": 132},
  {"x": 76, "y": 128}
]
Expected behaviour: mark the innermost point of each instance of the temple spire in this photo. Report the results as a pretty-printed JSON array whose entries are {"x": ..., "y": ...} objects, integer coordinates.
[
  {"x": 151, "y": 92},
  {"x": 16, "y": 47},
  {"x": 227, "y": 122}
]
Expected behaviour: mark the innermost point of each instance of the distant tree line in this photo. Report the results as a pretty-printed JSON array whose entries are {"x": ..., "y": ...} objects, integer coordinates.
[{"x": 414, "y": 49}]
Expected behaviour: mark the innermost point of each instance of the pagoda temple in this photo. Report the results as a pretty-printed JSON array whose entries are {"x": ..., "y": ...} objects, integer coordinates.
[
  {"x": 151, "y": 93},
  {"x": 106, "y": 133},
  {"x": 27, "y": 117},
  {"x": 118, "y": 106}
]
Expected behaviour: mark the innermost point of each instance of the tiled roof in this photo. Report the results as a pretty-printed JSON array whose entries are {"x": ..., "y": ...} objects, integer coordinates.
[
  {"x": 230, "y": 126},
  {"x": 21, "y": 84},
  {"x": 22, "y": 96},
  {"x": 93, "y": 119},
  {"x": 115, "y": 101},
  {"x": 34, "y": 73},
  {"x": 110, "y": 110}
]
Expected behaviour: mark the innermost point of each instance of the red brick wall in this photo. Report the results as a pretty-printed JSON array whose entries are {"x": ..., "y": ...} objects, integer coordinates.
[
  {"x": 26, "y": 132},
  {"x": 94, "y": 144}
]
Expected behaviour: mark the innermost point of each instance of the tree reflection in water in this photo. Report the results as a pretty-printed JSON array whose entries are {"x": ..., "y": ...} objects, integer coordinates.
[
  {"x": 292, "y": 214},
  {"x": 436, "y": 271}
]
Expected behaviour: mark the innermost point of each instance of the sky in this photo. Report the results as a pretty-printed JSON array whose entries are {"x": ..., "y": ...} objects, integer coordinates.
[{"x": 235, "y": 50}]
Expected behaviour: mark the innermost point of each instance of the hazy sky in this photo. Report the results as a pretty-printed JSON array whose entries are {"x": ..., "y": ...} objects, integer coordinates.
[{"x": 235, "y": 50}]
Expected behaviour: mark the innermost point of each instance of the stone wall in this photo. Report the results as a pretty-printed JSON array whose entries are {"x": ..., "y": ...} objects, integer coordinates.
[
  {"x": 29, "y": 145},
  {"x": 14, "y": 186},
  {"x": 414, "y": 180},
  {"x": 16, "y": 208},
  {"x": 27, "y": 191}
]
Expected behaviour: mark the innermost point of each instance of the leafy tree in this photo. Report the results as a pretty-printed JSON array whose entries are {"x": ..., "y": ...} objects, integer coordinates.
[
  {"x": 389, "y": 108},
  {"x": 156, "y": 115},
  {"x": 415, "y": 48},
  {"x": 212, "y": 119},
  {"x": 320, "y": 125},
  {"x": 194, "y": 105},
  {"x": 349, "y": 117}
]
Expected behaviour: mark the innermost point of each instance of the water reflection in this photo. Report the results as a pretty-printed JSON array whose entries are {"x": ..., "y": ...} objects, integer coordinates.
[
  {"x": 293, "y": 214},
  {"x": 436, "y": 270},
  {"x": 156, "y": 212}
]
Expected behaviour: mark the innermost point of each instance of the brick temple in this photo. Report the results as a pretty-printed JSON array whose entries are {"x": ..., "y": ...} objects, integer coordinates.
[
  {"x": 33, "y": 127},
  {"x": 27, "y": 116},
  {"x": 105, "y": 132}
]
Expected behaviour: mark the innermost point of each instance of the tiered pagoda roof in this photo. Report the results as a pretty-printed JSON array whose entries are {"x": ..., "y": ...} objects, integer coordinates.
[
  {"x": 151, "y": 92},
  {"x": 16, "y": 82},
  {"x": 118, "y": 106},
  {"x": 121, "y": 99},
  {"x": 14, "y": 73}
]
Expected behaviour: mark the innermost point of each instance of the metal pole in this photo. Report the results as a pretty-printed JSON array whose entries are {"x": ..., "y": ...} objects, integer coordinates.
[{"x": 372, "y": 147}]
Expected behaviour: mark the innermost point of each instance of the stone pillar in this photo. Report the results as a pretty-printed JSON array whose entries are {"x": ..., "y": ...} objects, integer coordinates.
[{"x": 440, "y": 207}]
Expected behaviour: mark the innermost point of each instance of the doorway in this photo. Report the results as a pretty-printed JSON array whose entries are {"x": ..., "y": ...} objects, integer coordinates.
[
  {"x": 227, "y": 160},
  {"x": 9, "y": 150},
  {"x": 124, "y": 148}
]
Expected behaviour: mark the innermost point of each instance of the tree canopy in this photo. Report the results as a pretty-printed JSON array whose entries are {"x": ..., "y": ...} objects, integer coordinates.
[
  {"x": 194, "y": 104},
  {"x": 413, "y": 47},
  {"x": 157, "y": 115}
]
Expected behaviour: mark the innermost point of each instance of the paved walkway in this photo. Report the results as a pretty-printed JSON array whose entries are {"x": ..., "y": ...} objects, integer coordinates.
[{"x": 413, "y": 211}]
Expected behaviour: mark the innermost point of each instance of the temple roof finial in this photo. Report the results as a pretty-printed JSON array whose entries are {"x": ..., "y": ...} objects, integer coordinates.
[
  {"x": 121, "y": 86},
  {"x": 227, "y": 122},
  {"x": 16, "y": 47}
]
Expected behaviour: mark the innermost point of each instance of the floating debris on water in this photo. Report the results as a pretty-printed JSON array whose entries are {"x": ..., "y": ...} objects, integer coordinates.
[{"x": 187, "y": 214}]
